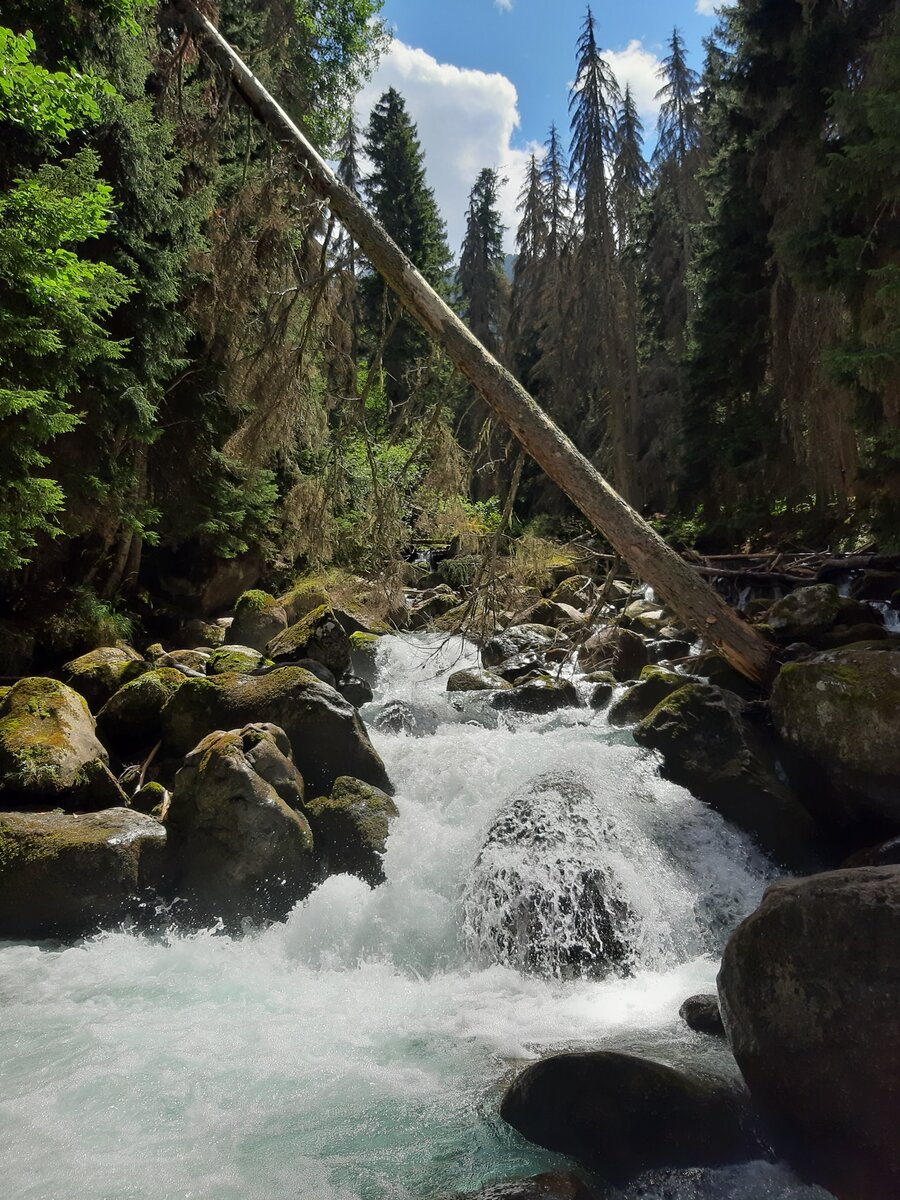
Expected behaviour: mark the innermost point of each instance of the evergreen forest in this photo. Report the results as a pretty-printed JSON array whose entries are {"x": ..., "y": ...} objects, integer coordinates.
[{"x": 200, "y": 374}]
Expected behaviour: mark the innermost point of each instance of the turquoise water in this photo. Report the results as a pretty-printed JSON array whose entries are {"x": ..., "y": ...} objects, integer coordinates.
[{"x": 358, "y": 1050}]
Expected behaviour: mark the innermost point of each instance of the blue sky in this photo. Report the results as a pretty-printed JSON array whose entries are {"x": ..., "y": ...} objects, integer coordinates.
[{"x": 483, "y": 79}]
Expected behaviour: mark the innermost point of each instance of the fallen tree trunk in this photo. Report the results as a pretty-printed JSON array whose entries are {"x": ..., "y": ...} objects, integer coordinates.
[{"x": 696, "y": 603}]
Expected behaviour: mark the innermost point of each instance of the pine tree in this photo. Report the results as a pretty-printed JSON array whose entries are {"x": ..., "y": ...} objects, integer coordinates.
[
  {"x": 678, "y": 131},
  {"x": 401, "y": 199},
  {"x": 481, "y": 275},
  {"x": 525, "y": 310}
]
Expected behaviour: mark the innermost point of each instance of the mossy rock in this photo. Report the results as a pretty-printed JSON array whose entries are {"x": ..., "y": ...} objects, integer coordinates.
[
  {"x": 191, "y": 660},
  {"x": 132, "y": 719},
  {"x": 574, "y": 591},
  {"x": 350, "y": 828},
  {"x": 327, "y": 737},
  {"x": 302, "y": 600},
  {"x": 100, "y": 673},
  {"x": 426, "y": 612},
  {"x": 150, "y": 798},
  {"x": 64, "y": 876},
  {"x": 708, "y": 747},
  {"x": 319, "y": 636},
  {"x": 364, "y": 655},
  {"x": 476, "y": 679},
  {"x": 242, "y": 659},
  {"x": 840, "y": 709},
  {"x": 242, "y": 849},
  {"x": 805, "y": 614},
  {"x": 258, "y": 618},
  {"x": 49, "y": 750},
  {"x": 654, "y": 686}
]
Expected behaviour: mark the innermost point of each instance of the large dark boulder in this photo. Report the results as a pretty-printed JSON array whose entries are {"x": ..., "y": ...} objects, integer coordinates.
[
  {"x": 701, "y": 1013},
  {"x": 621, "y": 1115},
  {"x": 319, "y": 636},
  {"x": 258, "y": 618},
  {"x": 65, "y": 876},
  {"x": 518, "y": 640},
  {"x": 242, "y": 849},
  {"x": 131, "y": 720},
  {"x": 840, "y": 709},
  {"x": 49, "y": 751},
  {"x": 642, "y": 697},
  {"x": 327, "y": 737},
  {"x": 351, "y": 827},
  {"x": 805, "y": 614},
  {"x": 810, "y": 995},
  {"x": 537, "y": 693},
  {"x": 708, "y": 747}
]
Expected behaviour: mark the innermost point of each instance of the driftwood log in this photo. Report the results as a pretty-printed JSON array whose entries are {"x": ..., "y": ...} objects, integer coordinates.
[{"x": 694, "y": 601}]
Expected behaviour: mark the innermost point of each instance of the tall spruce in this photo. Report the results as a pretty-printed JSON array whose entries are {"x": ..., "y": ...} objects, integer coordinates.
[{"x": 481, "y": 276}]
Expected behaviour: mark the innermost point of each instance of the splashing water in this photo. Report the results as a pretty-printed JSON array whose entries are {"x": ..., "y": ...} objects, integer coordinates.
[{"x": 358, "y": 1051}]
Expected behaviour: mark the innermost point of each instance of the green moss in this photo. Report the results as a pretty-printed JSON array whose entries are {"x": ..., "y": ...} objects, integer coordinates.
[{"x": 254, "y": 601}]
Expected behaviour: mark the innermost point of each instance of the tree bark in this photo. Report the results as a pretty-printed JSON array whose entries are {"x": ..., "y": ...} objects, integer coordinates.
[{"x": 693, "y": 600}]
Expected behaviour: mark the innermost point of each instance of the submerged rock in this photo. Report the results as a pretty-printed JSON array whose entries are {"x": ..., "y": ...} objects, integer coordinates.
[
  {"x": 327, "y": 737},
  {"x": 540, "y": 896},
  {"x": 840, "y": 708},
  {"x": 100, "y": 673},
  {"x": 49, "y": 751},
  {"x": 351, "y": 827},
  {"x": 319, "y": 636},
  {"x": 621, "y": 1115},
  {"x": 708, "y": 747},
  {"x": 65, "y": 876},
  {"x": 809, "y": 988},
  {"x": 241, "y": 847}
]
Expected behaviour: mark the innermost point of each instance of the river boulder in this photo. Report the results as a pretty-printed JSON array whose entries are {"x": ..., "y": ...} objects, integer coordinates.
[
  {"x": 709, "y": 747},
  {"x": 327, "y": 737},
  {"x": 318, "y": 636},
  {"x": 64, "y": 876},
  {"x": 805, "y": 614},
  {"x": 617, "y": 650},
  {"x": 520, "y": 639},
  {"x": 131, "y": 720},
  {"x": 351, "y": 827},
  {"x": 840, "y": 709},
  {"x": 641, "y": 698},
  {"x": 242, "y": 849},
  {"x": 620, "y": 1115},
  {"x": 99, "y": 673},
  {"x": 810, "y": 996},
  {"x": 475, "y": 679},
  {"x": 541, "y": 897},
  {"x": 537, "y": 693},
  {"x": 243, "y": 659},
  {"x": 49, "y": 751},
  {"x": 701, "y": 1013},
  {"x": 258, "y": 618}
]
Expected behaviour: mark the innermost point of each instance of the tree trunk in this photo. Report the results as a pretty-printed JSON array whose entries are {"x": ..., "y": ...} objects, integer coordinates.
[{"x": 693, "y": 600}]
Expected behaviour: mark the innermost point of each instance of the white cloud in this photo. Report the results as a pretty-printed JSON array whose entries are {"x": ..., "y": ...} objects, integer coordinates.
[
  {"x": 506, "y": 5},
  {"x": 639, "y": 67},
  {"x": 708, "y": 8},
  {"x": 466, "y": 121}
]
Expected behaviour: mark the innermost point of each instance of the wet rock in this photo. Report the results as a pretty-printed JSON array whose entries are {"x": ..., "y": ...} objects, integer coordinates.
[
  {"x": 357, "y": 691},
  {"x": 243, "y": 851},
  {"x": 327, "y": 737},
  {"x": 64, "y": 876},
  {"x": 621, "y": 1115},
  {"x": 532, "y": 906},
  {"x": 511, "y": 670},
  {"x": 552, "y": 614},
  {"x": 556, "y": 1185},
  {"x": 885, "y": 854},
  {"x": 318, "y": 636},
  {"x": 669, "y": 650},
  {"x": 709, "y": 748},
  {"x": 363, "y": 655},
  {"x": 517, "y": 640},
  {"x": 131, "y": 720},
  {"x": 242, "y": 659},
  {"x": 805, "y": 613},
  {"x": 100, "y": 673},
  {"x": 840, "y": 708},
  {"x": 808, "y": 987},
  {"x": 396, "y": 717},
  {"x": 618, "y": 650},
  {"x": 654, "y": 686},
  {"x": 701, "y": 1013},
  {"x": 49, "y": 751},
  {"x": 715, "y": 670},
  {"x": 475, "y": 679},
  {"x": 537, "y": 694},
  {"x": 601, "y": 694},
  {"x": 351, "y": 827},
  {"x": 258, "y": 619}
]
